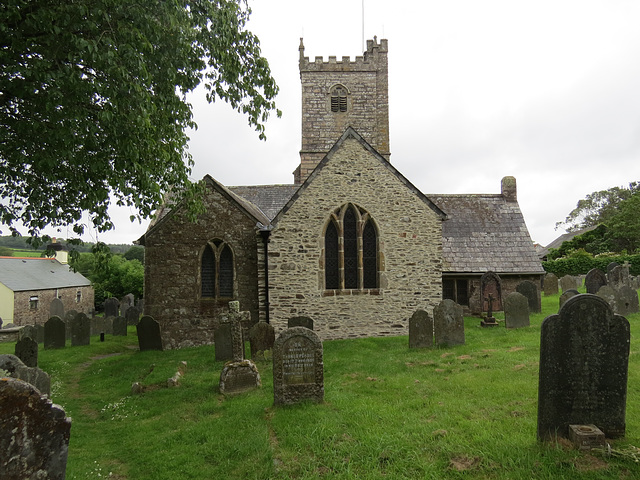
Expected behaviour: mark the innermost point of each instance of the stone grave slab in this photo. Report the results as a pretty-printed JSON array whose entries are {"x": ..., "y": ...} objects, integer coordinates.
[
  {"x": 572, "y": 292},
  {"x": 54, "y": 333},
  {"x": 80, "y": 330},
  {"x": 531, "y": 291},
  {"x": 111, "y": 307},
  {"x": 148, "y": 330},
  {"x": 32, "y": 375},
  {"x": 448, "y": 323},
  {"x": 27, "y": 351},
  {"x": 420, "y": 330},
  {"x": 594, "y": 280},
  {"x": 56, "y": 309},
  {"x": 239, "y": 377},
  {"x": 516, "y": 311},
  {"x": 300, "y": 322},
  {"x": 550, "y": 285},
  {"x": 119, "y": 327},
  {"x": 261, "y": 338}
]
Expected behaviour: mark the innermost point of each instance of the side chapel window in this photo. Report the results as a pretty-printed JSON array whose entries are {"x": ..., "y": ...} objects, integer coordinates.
[
  {"x": 338, "y": 99},
  {"x": 350, "y": 250},
  {"x": 217, "y": 270}
]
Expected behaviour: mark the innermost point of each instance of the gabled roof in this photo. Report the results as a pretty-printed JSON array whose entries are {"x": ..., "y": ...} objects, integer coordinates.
[
  {"x": 22, "y": 274},
  {"x": 268, "y": 198},
  {"x": 351, "y": 133},
  {"x": 485, "y": 233},
  {"x": 565, "y": 237}
]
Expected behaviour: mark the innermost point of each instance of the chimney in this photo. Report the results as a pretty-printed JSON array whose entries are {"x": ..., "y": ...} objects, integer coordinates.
[
  {"x": 60, "y": 250},
  {"x": 509, "y": 189}
]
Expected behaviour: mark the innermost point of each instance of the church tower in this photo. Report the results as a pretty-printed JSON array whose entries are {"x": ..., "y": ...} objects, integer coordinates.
[{"x": 341, "y": 94}]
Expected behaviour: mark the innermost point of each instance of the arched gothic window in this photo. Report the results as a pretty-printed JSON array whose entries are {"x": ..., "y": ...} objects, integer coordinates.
[
  {"x": 216, "y": 271},
  {"x": 338, "y": 99},
  {"x": 350, "y": 250}
]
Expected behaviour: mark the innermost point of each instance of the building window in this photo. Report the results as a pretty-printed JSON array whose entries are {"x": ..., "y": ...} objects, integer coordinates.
[
  {"x": 456, "y": 290},
  {"x": 216, "y": 271},
  {"x": 350, "y": 250},
  {"x": 78, "y": 296},
  {"x": 33, "y": 303},
  {"x": 338, "y": 99}
]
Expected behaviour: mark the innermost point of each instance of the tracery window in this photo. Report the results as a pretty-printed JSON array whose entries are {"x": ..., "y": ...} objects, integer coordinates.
[
  {"x": 350, "y": 250},
  {"x": 338, "y": 99},
  {"x": 216, "y": 271}
]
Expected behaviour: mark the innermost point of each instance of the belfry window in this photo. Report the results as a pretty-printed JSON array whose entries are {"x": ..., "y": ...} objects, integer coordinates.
[
  {"x": 216, "y": 271},
  {"x": 350, "y": 250},
  {"x": 338, "y": 99}
]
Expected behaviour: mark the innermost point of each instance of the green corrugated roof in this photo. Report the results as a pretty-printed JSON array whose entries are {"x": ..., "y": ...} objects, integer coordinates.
[{"x": 22, "y": 274}]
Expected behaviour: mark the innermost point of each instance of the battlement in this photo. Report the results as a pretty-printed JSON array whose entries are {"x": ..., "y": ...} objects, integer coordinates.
[{"x": 372, "y": 59}]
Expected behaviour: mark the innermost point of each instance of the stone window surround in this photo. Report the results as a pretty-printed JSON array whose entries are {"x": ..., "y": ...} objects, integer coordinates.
[
  {"x": 362, "y": 218},
  {"x": 216, "y": 245},
  {"x": 33, "y": 302},
  {"x": 338, "y": 98}
]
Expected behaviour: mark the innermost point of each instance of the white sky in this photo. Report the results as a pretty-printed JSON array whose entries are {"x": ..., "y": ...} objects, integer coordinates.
[{"x": 547, "y": 91}]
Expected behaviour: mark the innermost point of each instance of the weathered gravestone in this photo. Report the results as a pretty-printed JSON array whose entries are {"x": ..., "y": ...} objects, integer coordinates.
[
  {"x": 305, "y": 322},
  {"x": 529, "y": 290},
  {"x": 34, "y": 438},
  {"x": 111, "y": 307},
  {"x": 420, "y": 330},
  {"x": 566, "y": 296},
  {"x": 567, "y": 283},
  {"x": 611, "y": 266},
  {"x": 148, "y": 330},
  {"x": 107, "y": 325},
  {"x": 491, "y": 288},
  {"x": 126, "y": 303},
  {"x": 119, "y": 327},
  {"x": 610, "y": 296},
  {"x": 298, "y": 369},
  {"x": 28, "y": 331},
  {"x": 132, "y": 315},
  {"x": 448, "y": 323},
  {"x": 32, "y": 375},
  {"x": 516, "y": 311},
  {"x": 222, "y": 338},
  {"x": 56, "y": 309},
  {"x": 627, "y": 301},
  {"x": 618, "y": 277},
  {"x": 594, "y": 280},
  {"x": 584, "y": 356},
  {"x": 228, "y": 337},
  {"x": 54, "y": 333},
  {"x": 27, "y": 351},
  {"x": 68, "y": 320},
  {"x": 261, "y": 338},
  {"x": 550, "y": 285},
  {"x": 80, "y": 330}
]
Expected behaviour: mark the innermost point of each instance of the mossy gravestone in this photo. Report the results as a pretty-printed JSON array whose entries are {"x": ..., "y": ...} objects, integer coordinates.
[
  {"x": 298, "y": 368},
  {"x": 80, "y": 330},
  {"x": 420, "y": 330},
  {"x": 148, "y": 330},
  {"x": 584, "y": 356},
  {"x": 448, "y": 323},
  {"x": 516, "y": 311},
  {"x": 54, "y": 333}
]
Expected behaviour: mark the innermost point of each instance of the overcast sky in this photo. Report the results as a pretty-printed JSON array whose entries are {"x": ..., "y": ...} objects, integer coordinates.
[{"x": 547, "y": 91}]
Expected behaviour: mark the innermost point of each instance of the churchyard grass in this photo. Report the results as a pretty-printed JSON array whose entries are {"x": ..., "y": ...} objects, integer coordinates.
[{"x": 468, "y": 411}]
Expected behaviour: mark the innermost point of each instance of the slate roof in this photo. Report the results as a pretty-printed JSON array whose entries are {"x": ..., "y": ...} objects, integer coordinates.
[
  {"x": 22, "y": 274},
  {"x": 268, "y": 198},
  {"x": 485, "y": 233},
  {"x": 565, "y": 237}
]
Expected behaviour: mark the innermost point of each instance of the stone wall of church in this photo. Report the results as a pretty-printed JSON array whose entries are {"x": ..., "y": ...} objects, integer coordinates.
[
  {"x": 410, "y": 251},
  {"x": 173, "y": 253},
  {"x": 32, "y": 307}
]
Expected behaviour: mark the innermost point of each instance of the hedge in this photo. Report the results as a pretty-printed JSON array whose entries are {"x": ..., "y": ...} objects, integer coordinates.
[{"x": 581, "y": 264}]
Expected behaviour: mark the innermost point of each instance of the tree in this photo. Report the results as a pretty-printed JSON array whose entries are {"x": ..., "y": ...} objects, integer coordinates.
[{"x": 93, "y": 106}]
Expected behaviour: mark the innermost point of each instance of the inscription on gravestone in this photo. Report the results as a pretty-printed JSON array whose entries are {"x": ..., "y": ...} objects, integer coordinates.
[{"x": 448, "y": 323}]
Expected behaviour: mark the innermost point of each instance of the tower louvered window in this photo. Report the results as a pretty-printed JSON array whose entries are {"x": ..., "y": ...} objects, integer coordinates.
[
  {"x": 350, "y": 250},
  {"x": 338, "y": 99},
  {"x": 216, "y": 271}
]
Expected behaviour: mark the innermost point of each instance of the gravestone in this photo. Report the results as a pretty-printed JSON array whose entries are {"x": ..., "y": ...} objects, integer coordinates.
[
  {"x": 132, "y": 315},
  {"x": 627, "y": 301},
  {"x": 223, "y": 343},
  {"x": 594, "y": 280},
  {"x": 618, "y": 277},
  {"x": 119, "y": 327},
  {"x": 298, "y": 369},
  {"x": 56, "y": 309},
  {"x": 148, "y": 330},
  {"x": 300, "y": 322},
  {"x": 80, "y": 330},
  {"x": 28, "y": 331},
  {"x": 529, "y": 290},
  {"x": 567, "y": 282},
  {"x": 491, "y": 287},
  {"x": 420, "y": 330},
  {"x": 610, "y": 296},
  {"x": 111, "y": 307},
  {"x": 516, "y": 311},
  {"x": 68, "y": 320},
  {"x": 32, "y": 375},
  {"x": 27, "y": 351},
  {"x": 566, "y": 296},
  {"x": 611, "y": 266},
  {"x": 550, "y": 285},
  {"x": 261, "y": 338},
  {"x": 34, "y": 439},
  {"x": 126, "y": 303},
  {"x": 448, "y": 323},
  {"x": 584, "y": 356},
  {"x": 54, "y": 333},
  {"x": 107, "y": 325}
]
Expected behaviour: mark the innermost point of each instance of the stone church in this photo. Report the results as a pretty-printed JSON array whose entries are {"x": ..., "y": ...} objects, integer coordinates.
[{"x": 352, "y": 243}]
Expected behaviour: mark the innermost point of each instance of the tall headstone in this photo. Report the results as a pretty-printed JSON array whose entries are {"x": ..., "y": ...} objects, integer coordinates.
[
  {"x": 148, "y": 330},
  {"x": 132, "y": 315},
  {"x": 550, "y": 285},
  {"x": 568, "y": 282},
  {"x": 261, "y": 338},
  {"x": 594, "y": 280},
  {"x": 610, "y": 296},
  {"x": 111, "y": 307},
  {"x": 68, "y": 320},
  {"x": 584, "y": 356},
  {"x": 420, "y": 330},
  {"x": 27, "y": 351},
  {"x": 491, "y": 291},
  {"x": 618, "y": 277},
  {"x": 448, "y": 323},
  {"x": 57, "y": 308},
  {"x": 627, "y": 301},
  {"x": 516, "y": 311},
  {"x": 223, "y": 343},
  {"x": 298, "y": 368},
  {"x": 34, "y": 438},
  {"x": 120, "y": 327},
  {"x": 80, "y": 330},
  {"x": 300, "y": 322},
  {"x": 572, "y": 292},
  {"x": 531, "y": 291},
  {"x": 54, "y": 333}
]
